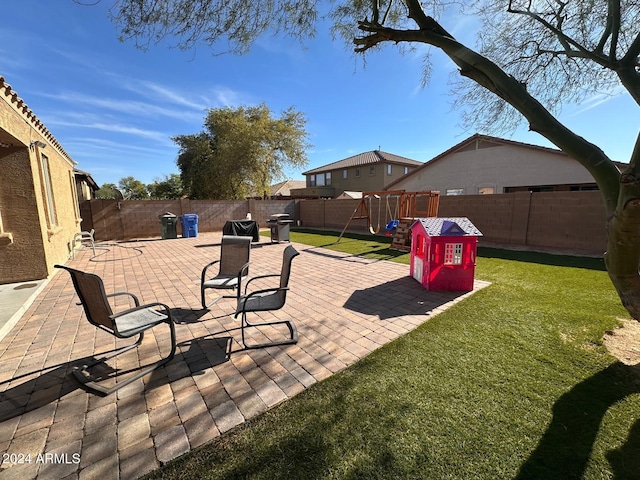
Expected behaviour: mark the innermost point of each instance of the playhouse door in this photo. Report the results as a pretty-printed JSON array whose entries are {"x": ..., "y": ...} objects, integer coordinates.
[{"x": 418, "y": 268}]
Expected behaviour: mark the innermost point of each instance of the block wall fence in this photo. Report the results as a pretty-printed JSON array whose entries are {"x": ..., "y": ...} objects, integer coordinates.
[{"x": 554, "y": 221}]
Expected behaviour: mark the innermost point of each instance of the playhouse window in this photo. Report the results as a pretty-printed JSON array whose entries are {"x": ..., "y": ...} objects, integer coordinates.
[
  {"x": 420, "y": 245},
  {"x": 453, "y": 254}
]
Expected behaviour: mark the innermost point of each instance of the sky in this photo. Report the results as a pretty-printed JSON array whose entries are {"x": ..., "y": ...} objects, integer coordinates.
[{"x": 114, "y": 108}]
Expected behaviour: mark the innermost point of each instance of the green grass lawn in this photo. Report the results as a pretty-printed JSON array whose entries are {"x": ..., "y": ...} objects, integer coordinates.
[{"x": 513, "y": 382}]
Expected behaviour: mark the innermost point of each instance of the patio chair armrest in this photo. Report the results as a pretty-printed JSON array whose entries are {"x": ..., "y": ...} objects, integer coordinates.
[
  {"x": 116, "y": 294},
  {"x": 142, "y": 307},
  {"x": 244, "y": 271},
  {"x": 259, "y": 292},
  {"x": 246, "y": 285},
  {"x": 204, "y": 270}
]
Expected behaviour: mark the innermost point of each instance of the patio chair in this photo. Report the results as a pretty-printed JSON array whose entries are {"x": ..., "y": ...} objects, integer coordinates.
[
  {"x": 269, "y": 299},
  {"x": 124, "y": 324},
  {"x": 233, "y": 268},
  {"x": 80, "y": 237}
]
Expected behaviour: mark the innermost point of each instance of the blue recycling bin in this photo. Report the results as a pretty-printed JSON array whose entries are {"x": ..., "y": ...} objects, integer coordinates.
[{"x": 189, "y": 222}]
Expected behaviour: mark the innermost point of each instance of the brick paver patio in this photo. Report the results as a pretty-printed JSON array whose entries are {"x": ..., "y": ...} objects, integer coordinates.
[{"x": 344, "y": 308}]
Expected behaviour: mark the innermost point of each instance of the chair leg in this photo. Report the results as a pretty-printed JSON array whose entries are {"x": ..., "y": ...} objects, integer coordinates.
[
  {"x": 83, "y": 374},
  {"x": 293, "y": 333},
  {"x": 203, "y": 299}
]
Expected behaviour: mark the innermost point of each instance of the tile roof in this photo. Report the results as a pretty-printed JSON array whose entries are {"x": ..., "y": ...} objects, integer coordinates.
[
  {"x": 366, "y": 158},
  {"x": 12, "y": 98},
  {"x": 438, "y": 226}
]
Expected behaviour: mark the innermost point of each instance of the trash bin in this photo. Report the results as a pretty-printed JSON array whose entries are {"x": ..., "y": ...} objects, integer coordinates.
[
  {"x": 279, "y": 224},
  {"x": 189, "y": 222},
  {"x": 168, "y": 225}
]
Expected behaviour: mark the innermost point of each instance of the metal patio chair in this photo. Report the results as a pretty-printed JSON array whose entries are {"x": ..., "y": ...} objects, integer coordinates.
[
  {"x": 233, "y": 268},
  {"x": 124, "y": 324},
  {"x": 268, "y": 299},
  {"x": 81, "y": 237}
]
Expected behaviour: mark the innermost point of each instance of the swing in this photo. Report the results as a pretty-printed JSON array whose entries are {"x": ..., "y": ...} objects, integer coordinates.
[
  {"x": 393, "y": 224},
  {"x": 377, "y": 229}
]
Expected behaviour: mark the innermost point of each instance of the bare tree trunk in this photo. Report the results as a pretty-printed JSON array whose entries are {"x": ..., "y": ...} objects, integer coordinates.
[{"x": 623, "y": 238}]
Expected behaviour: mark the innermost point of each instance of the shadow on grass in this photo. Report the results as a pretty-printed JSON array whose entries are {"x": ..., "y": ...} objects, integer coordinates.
[
  {"x": 543, "y": 258},
  {"x": 566, "y": 446}
]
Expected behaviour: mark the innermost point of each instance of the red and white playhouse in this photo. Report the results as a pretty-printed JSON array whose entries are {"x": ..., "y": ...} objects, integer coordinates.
[{"x": 443, "y": 253}]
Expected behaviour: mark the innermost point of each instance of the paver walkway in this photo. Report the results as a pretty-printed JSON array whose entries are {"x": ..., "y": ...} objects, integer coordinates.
[{"x": 344, "y": 308}]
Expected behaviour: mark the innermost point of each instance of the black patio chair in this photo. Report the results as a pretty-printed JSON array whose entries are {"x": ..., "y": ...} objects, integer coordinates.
[
  {"x": 233, "y": 269},
  {"x": 124, "y": 324},
  {"x": 268, "y": 299}
]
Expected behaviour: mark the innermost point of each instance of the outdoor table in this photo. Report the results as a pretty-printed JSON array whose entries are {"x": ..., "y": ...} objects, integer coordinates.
[{"x": 242, "y": 228}]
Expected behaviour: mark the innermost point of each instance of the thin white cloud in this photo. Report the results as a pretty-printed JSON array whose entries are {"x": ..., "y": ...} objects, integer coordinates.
[
  {"x": 218, "y": 96},
  {"x": 115, "y": 128},
  {"x": 131, "y": 107},
  {"x": 598, "y": 99}
]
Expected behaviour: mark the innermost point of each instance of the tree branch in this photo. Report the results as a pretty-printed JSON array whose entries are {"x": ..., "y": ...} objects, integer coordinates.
[
  {"x": 614, "y": 9},
  {"x": 490, "y": 76},
  {"x": 567, "y": 42}
]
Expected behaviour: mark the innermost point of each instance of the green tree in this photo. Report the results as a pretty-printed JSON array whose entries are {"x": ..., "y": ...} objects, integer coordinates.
[
  {"x": 167, "y": 188},
  {"x": 533, "y": 56},
  {"x": 241, "y": 152},
  {"x": 133, "y": 189},
  {"x": 108, "y": 191}
]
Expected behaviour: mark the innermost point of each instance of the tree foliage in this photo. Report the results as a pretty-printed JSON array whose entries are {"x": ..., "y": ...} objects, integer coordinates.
[
  {"x": 241, "y": 152},
  {"x": 167, "y": 188},
  {"x": 133, "y": 189},
  {"x": 532, "y": 56},
  {"x": 189, "y": 22},
  {"x": 108, "y": 191}
]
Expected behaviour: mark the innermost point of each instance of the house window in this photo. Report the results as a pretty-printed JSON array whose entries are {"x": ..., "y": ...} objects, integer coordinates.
[
  {"x": 453, "y": 254},
  {"x": 320, "y": 180},
  {"x": 344, "y": 173},
  {"x": 406, "y": 170},
  {"x": 312, "y": 180},
  {"x": 485, "y": 190},
  {"x": 389, "y": 169},
  {"x": 48, "y": 191},
  {"x": 455, "y": 191},
  {"x": 74, "y": 195},
  {"x": 327, "y": 178},
  {"x": 357, "y": 172},
  {"x": 372, "y": 170}
]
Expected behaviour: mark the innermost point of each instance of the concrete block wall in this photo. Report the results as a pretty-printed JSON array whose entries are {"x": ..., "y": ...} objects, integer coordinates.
[
  {"x": 568, "y": 220},
  {"x": 130, "y": 219},
  {"x": 562, "y": 221},
  {"x": 565, "y": 221}
]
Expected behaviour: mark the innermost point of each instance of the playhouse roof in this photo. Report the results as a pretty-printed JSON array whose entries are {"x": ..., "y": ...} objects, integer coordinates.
[{"x": 451, "y": 226}]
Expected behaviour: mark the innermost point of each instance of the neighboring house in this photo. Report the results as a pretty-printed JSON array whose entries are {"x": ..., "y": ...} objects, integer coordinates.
[
  {"x": 85, "y": 185},
  {"x": 369, "y": 171},
  {"x": 349, "y": 195},
  {"x": 278, "y": 190},
  {"x": 38, "y": 199},
  {"x": 283, "y": 189},
  {"x": 483, "y": 165}
]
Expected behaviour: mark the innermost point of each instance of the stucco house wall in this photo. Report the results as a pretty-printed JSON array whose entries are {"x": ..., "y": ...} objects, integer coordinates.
[
  {"x": 368, "y": 171},
  {"x": 38, "y": 201},
  {"x": 366, "y": 181},
  {"x": 483, "y": 162}
]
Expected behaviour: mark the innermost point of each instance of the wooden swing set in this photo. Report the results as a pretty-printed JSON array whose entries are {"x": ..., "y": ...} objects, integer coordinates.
[{"x": 397, "y": 223}]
